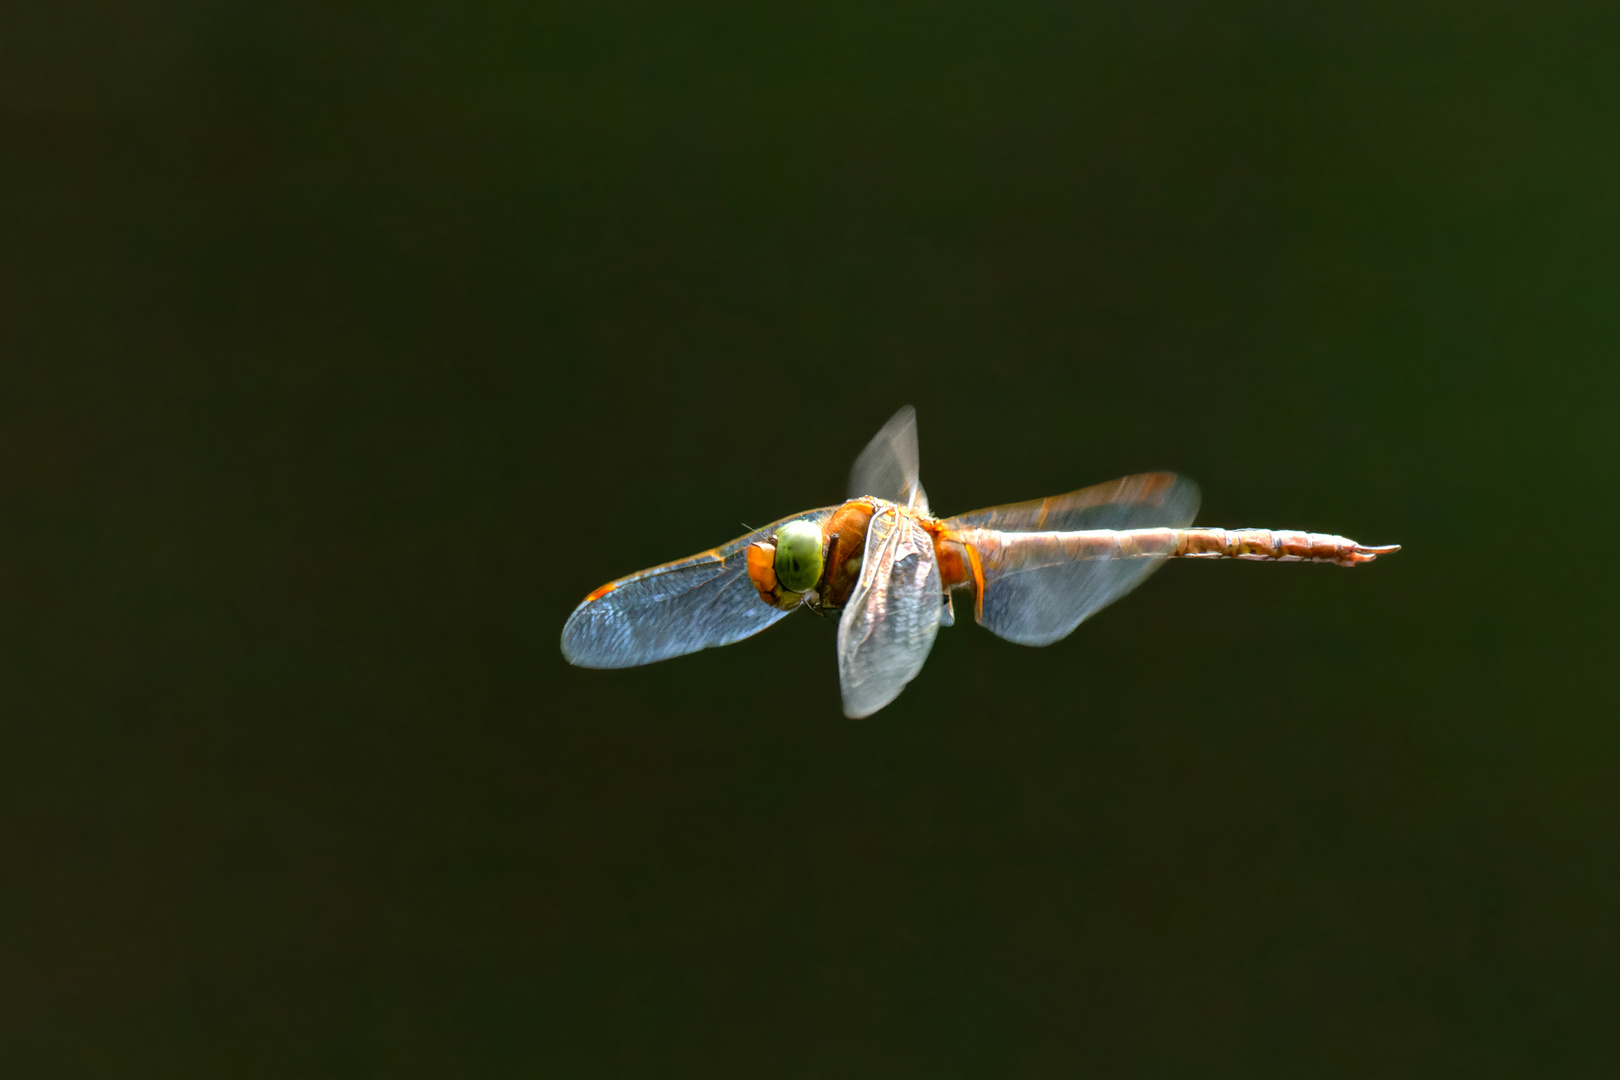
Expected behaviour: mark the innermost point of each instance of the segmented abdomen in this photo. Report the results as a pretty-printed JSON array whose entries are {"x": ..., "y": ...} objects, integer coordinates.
[
  {"x": 1272, "y": 545},
  {"x": 1278, "y": 545}
]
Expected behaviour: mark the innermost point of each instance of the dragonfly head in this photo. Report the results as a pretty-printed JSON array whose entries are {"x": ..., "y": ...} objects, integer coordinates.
[{"x": 798, "y": 556}]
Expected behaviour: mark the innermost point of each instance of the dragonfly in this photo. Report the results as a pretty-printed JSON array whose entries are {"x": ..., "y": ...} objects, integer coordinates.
[{"x": 888, "y": 568}]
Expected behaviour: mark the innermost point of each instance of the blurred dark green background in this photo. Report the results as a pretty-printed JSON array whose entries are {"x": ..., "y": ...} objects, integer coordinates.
[{"x": 342, "y": 350}]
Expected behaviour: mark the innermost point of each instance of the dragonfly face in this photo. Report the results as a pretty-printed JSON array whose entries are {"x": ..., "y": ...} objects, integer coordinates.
[
  {"x": 798, "y": 558},
  {"x": 812, "y": 562},
  {"x": 1037, "y": 570}
]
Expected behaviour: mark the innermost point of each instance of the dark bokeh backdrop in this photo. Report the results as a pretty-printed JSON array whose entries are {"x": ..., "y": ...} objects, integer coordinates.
[{"x": 343, "y": 350}]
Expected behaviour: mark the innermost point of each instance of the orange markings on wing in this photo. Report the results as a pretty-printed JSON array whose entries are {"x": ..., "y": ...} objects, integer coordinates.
[
  {"x": 978, "y": 583},
  {"x": 949, "y": 553},
  {"x": 1156, "y": 485},
  {"x": 712, "y": 553}
]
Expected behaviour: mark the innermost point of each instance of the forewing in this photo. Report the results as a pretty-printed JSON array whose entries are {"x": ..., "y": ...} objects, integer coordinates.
[
  {"x": 1143, "y": 501},
  {"x": 887, "y": 468},
  {"x": 890, "y": 620},
  {"x": 674, "y": 609},
  {"x": 1033, "y": 592}
]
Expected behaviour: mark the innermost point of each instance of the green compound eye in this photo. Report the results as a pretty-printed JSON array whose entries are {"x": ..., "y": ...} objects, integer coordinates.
[{"x": 798, "y": 556}]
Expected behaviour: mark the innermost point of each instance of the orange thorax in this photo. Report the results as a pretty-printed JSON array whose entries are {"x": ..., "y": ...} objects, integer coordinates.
[{"x": 844, "y": 534}]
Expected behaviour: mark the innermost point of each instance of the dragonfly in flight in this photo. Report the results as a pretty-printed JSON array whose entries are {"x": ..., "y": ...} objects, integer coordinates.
[{"x": 1035, "y": 570}]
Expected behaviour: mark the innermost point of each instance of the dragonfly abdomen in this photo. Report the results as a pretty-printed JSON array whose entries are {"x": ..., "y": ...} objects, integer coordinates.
[
  {"x": 1026, "y": 550},
  {"x": 1273, "y": 545}
]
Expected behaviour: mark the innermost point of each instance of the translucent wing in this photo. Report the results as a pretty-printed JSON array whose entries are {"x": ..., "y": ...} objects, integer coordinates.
[
  {"x": 1143, "y": 501},
  {"x": 674, "y": 609},
  {"x": 887, "y": 468},
  {"x": 1033, "y": 590},
  {"x": 891, "y": 618}
]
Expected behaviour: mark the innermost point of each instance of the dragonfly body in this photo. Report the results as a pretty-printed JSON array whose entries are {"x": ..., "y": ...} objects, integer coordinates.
[{"x": 1036, "y": 570}]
